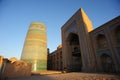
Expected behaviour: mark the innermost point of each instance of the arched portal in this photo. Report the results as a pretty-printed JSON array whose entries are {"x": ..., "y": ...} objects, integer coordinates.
[
  {"x": 101, "y": 41},
  {"x": 106, "y": 63},
  {"x": 74, "y": 52}
]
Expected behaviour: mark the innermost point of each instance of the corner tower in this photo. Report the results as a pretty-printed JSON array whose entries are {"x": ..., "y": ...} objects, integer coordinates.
[{"x": 35, "y": 46}]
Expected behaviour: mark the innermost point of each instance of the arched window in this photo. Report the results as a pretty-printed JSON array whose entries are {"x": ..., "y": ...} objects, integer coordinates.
[{"x": 101, "y": 41}]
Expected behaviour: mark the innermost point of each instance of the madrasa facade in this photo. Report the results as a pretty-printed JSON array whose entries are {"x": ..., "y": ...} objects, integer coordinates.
[{"x": 85, "y": 49}]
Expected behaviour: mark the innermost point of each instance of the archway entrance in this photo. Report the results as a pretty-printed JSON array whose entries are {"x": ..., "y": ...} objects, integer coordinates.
[
  {"x": 74, "y": 53},
  {"x": 107, "y": 63}
]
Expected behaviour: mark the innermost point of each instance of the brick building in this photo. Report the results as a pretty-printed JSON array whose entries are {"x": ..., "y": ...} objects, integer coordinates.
[
  {"x": 87, "y": 49},
  {"x": 55, "y": 60}
]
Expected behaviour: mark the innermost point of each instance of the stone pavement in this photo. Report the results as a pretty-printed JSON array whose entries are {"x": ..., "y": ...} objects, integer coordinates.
[
  {"x": 46, "y": 72},
  {"x": 71, "y": 76}
]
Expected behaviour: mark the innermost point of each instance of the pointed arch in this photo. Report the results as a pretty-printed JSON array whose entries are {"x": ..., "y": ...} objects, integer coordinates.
[
  {"x": 101, "y": 41},
  {"x": 73, "y": 39},
  {"x": 74, "y": 52},
  {"x": 106, "y": 62}
]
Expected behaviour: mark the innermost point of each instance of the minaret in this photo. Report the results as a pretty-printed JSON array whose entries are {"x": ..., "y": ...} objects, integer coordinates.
[{"x": 35, "y": 46}]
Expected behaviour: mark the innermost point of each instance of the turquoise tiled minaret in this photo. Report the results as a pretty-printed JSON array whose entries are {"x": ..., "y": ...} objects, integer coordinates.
[{"x": 35, "y": 47}]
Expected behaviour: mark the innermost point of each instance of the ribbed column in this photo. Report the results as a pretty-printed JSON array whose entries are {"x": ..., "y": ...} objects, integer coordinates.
[{"x": 35, "y": 47}]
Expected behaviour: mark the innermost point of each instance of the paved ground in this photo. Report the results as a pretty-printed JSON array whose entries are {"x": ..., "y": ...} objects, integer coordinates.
[{"x": 71, "y": 76}]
